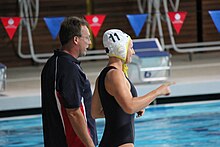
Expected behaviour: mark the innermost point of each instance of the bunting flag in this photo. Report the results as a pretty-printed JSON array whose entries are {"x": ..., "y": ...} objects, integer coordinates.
[
  {"x": 137, "y": 22},
  {"x": 95, "y": 22},
  {"x": 11, "y": 25},
  {"x": 53, "y": 24},
  {"x": 177, "y": 19},
  {"x": 216, "y": 18}
]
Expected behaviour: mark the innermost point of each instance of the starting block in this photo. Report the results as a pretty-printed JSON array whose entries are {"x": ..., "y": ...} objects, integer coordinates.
[
  {"x": 2, "y": 77},
  {"x": 150, "y": 63}
]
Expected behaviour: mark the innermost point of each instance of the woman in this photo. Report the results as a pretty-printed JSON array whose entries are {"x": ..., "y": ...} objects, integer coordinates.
[{"x": 115, "y": 97}]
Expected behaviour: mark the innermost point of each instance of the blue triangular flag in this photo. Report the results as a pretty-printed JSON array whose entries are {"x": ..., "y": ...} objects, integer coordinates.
[
  {"x": 137, "y": 21},
  {"x": 53, "y": 24},
  {"x": 216, "y": 18}
]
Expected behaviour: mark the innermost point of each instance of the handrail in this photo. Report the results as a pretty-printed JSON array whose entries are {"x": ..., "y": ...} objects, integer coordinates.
[
  {"x": 27, "y": 20},
  {"x": 2, "y": 77},
  {"x": 156, "y": 20},
  {"x": 206, "y": 45}
]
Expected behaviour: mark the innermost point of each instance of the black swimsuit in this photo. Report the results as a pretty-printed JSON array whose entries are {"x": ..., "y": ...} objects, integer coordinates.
[{"x": 119, "y": 126}]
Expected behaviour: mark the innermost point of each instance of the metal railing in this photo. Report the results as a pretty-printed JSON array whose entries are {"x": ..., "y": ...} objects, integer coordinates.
[
  {"x": 155, "y": 18},
  {"x": 29, "y": 12},
  {"x": 2, "y": 77}
]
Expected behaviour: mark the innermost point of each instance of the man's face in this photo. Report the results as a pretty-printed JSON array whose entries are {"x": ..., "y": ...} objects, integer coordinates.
[{"x": 84, "y": 41}]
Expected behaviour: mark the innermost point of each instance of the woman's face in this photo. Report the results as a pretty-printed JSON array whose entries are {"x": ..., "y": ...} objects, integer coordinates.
[{"x": 130, "y": 52}]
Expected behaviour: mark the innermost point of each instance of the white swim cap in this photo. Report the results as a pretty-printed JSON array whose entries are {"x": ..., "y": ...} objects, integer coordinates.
[{"x": 117, "y": 43}]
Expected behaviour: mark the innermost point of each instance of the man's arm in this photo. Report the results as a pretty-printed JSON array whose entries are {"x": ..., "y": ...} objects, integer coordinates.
[{"x": 79, "y": 126}]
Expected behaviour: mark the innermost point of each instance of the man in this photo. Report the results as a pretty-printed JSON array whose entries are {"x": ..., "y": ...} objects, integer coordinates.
[{"x": 66, "y": 92}]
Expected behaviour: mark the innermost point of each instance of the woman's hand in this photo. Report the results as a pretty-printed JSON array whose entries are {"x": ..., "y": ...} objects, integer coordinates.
[
  {"x": 164, "y": 89},
  {"x": 140, "y": 113}
]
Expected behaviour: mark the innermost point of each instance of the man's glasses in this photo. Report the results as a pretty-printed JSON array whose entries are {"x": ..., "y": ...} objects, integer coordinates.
[{"x": 86, "y": 37}]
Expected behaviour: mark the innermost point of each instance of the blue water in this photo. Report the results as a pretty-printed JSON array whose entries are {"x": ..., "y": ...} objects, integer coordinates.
[{"x": 191, "y": 125}]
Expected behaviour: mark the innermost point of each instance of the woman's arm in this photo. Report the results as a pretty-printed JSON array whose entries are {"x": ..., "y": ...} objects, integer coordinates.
[
  {"x": 116, "y": 85},
  {"x": 97, "y": 110}
]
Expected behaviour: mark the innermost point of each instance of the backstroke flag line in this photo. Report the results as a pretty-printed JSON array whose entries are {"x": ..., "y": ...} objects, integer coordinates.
[
  {"x": 177, "y": 19},
  {"x": 53, "y": 24},
  {"x": 11, "y": 25},
  {"x": 95, "y": 22},
  {"x": 216, "y": 18},
  {"x": 137, "y": 22}
]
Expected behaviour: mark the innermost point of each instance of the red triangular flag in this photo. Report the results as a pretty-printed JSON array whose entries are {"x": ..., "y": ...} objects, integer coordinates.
[
  {"x": 95, "y": 22},
  {"x": 11, "y": 25},
  {"x": 177, "y": 19}
]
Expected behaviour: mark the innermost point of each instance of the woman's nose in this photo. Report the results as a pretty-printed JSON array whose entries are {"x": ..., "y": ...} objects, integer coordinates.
[{"x": 133, "y": 52}]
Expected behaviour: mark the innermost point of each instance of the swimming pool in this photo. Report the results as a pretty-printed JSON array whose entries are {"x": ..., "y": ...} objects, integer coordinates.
[{"x": 194, "y": 124}]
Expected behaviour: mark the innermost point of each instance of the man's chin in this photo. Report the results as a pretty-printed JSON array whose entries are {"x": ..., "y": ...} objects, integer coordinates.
[{"x": 83, "y": 54}]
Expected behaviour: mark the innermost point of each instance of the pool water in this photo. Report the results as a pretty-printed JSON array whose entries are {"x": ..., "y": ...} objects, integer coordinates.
[
  {"x": 190, "y": 125},
  {"x": 182, "y": 126},
  {"x": 21, "y": 132}
]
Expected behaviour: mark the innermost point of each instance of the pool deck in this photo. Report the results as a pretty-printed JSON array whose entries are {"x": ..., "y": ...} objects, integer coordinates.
[{"x": 200, "y": 76}]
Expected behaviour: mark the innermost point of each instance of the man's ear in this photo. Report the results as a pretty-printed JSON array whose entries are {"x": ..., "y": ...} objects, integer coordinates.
[{"x": 75, "y": 39}]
